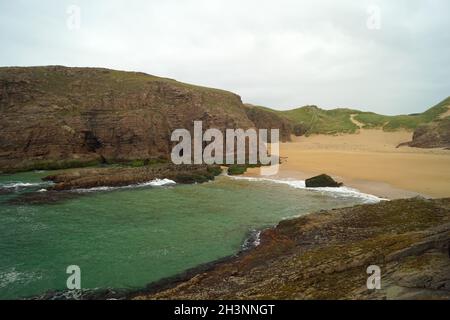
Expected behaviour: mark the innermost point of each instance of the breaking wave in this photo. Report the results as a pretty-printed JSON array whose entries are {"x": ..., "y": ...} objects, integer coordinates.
[
  {"x": 334, "y": 192},
  {"x": 18, "y": 185},
  {"x": 153, "y": 183}
]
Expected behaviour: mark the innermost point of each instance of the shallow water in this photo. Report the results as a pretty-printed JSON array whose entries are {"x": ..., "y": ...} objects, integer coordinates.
[{"x": 129, "y": 237}]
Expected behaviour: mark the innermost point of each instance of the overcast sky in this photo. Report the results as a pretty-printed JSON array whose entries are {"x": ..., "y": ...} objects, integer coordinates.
[{"x": 387, "y": 56}]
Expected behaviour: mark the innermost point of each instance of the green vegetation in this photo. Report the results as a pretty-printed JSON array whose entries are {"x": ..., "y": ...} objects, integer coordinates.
[
  {"x": 409, "y": 122},
  {"x": 314, "y": 120},
  {"x": 73, "y": 163},
  {"x": 136, "y": 163},
  {"x": 59, "y": 80},
  {"x": 144, "y": 162},
  {"x": 198, "y": 176},
  {"x": 237, "y": 169},
  {"x": 214, "y": 170},
  {"x": 193, "y": 178},
  {"x": 57, "y": 165}
]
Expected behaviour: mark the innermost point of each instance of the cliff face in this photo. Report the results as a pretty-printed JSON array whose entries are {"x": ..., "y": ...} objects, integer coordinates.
[
  {"x": 325, "y": 255},
  {"x": 268, "y": 119},
  {"x": 55, "y": 116},
  {"x": 433, "y": 135}
]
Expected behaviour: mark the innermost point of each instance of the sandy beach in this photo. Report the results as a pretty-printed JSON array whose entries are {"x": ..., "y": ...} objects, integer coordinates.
[{"x": 370, "y": 162}]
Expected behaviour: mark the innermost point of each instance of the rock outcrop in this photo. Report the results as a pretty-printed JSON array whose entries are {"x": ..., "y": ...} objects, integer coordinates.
[
  {"x": 115, "y": 177},
  {"x": 322, "y": 180},
  {"x": 433, "y": 135},
  {"x": 325, "y": 255},
  {"x": 57, "y": 117}
]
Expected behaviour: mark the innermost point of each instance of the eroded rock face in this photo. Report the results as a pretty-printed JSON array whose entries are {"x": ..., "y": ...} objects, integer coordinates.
[
  {"x": 54, "y": 117},
  {"x": 325, "y": 255},
  {"x": 266, "y": 119},
  {"x": 433, "y": 135}
]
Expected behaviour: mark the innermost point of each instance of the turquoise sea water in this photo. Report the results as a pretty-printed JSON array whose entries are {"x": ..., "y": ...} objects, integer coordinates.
[{"x": 127, "y": 238}]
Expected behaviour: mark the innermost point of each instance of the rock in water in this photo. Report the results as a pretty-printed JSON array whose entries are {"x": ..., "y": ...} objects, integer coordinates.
[{"x": 322, "y": 180}]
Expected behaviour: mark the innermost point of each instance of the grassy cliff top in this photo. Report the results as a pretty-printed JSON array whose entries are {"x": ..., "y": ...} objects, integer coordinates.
[
  {"x": 319, "y": 121},
  {"x": 55, "y": 77}
]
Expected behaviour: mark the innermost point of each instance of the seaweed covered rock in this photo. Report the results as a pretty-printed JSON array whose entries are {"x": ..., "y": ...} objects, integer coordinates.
[
  {"x": 236, "y": 169},
  {"x": 322, "y": 180}
]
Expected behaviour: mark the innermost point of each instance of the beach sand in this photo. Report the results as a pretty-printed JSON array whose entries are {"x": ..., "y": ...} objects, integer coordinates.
[{"x": 370, "y": 162}]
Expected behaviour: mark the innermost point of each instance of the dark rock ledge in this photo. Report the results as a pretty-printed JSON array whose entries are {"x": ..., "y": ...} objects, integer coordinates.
[
  {"x": 87, "y": 178},
  {"x": 118, "y": 176}
]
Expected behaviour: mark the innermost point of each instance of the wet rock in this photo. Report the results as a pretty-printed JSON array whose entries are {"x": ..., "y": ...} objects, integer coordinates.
[
  {"x": 39, "y": 198},
  {"x": 118, "y": 176},
  {"x": 322, "y": 180},
  {"x": 5, "y": 191}
]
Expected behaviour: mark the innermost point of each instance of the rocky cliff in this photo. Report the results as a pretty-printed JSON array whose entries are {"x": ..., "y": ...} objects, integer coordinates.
[
  {"x": 433, "y": 135},
  {"x": 54, "y": 117},
  {"x": 325, "y": 255},
  {"x": 268, "y": 119}
]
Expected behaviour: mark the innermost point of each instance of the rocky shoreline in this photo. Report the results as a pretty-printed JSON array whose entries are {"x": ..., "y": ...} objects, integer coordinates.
[{"x": 325, "y": 255}]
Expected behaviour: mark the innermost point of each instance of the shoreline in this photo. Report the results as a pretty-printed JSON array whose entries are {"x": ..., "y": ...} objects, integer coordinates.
[
  {"x": 248, "y": 246},
  {"x": 374, "y": 188},
  {"x": 369, "y": 161}
]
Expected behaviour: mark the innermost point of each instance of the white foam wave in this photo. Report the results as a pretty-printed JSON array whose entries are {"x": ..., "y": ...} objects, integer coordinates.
[
  {"x": 253, "y": 240},
  {"x": 17, "y": 185},
  {"x": 152, "y": 183},
  {"x": 159, "y": 182},
  {"x": 257, "y": 240},
  {"x": 335, "y": 192}
]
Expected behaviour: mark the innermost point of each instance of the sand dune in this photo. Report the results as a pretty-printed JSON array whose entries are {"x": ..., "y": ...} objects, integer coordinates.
[{"x": 369, "y": 161}]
